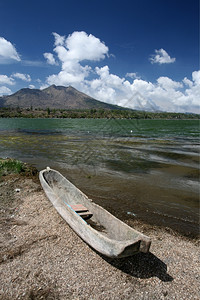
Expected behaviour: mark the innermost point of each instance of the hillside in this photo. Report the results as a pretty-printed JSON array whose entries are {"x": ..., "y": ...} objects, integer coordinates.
[{"x": 57, "y": 97}]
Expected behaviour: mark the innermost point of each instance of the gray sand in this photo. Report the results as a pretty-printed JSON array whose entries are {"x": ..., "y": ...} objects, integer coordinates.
[{"x": 42, "y": 258}]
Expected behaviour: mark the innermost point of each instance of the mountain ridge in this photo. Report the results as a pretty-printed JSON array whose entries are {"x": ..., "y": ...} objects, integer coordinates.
[{"x": 58, "y": 97}]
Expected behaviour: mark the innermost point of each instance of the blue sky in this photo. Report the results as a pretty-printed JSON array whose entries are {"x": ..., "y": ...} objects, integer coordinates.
[{"x": 140, "y": 54}]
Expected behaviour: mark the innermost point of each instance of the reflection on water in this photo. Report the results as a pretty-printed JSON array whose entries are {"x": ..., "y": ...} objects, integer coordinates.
[{"x": 146, "y": 169}]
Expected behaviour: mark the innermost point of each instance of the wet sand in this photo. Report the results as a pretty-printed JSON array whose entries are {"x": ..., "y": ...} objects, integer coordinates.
[{"x": 42, "y": 258}]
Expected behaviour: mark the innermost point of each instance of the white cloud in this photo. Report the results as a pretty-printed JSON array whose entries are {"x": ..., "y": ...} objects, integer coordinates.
[
  {"x": 165, "y": 94},
  {"x": 76, "y": 51},
  {"x": 59, "y": 40},
  {"x": 191, "y": 96},
  {"x": 168, "y": 84},
  {"x": 77, "y": 47},
  {"x": 31, "y": 86},
  {"x": 44, "y": 86},
  {"x": 188, "y": 82},
  {"x": 132, "y": 75},
  {"x": 4, "y": 79},
  {"x": 196, "y": 77},
  {"x": 5, "y": 91},
  {"x": 161, "y": 57},
  {"x": 82, "y": 46},
  {"x": 171, "y": 96},
  {"x": 8, "y": 53},
  {"x": 24, "y": 77},
  {"x": 72, "y": 75},
  {"x": 50, "y": 58}
]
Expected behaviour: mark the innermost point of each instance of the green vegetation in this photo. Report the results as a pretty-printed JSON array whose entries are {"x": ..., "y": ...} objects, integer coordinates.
[
  {"x": 7, "y": 112},
  {"x": 10, "y": 166},
  {"x": 13, "y": 166}
]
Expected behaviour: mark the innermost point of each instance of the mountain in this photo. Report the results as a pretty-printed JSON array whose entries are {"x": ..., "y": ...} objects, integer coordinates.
[{"x": 53, "y": 97}]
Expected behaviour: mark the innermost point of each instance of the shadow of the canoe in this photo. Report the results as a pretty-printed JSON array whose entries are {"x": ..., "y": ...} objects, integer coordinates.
[{"x": 141, "y": 265}]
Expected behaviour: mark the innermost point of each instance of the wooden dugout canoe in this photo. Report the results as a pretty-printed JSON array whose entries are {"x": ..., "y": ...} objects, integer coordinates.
[{"x": 103, "y": 231}]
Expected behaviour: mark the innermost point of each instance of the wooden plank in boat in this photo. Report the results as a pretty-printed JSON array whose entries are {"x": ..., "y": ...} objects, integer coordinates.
[
  {"x": 79, "y": 208},
  {"x": 82, "y": 211}
]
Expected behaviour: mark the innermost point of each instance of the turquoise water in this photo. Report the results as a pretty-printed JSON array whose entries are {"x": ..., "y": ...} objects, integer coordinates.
[
  {"x": 145, "y": 169},
  {"x": 145, "y": 128}
]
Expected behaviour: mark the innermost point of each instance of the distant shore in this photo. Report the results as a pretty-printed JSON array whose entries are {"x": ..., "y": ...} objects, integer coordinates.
[
  {"x": 41, "y": 257},
  {"x": 7, "y": 112}
]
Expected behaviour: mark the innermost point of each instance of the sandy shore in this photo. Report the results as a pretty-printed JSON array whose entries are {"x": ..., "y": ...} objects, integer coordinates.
[{"x": 42, "y": 258}]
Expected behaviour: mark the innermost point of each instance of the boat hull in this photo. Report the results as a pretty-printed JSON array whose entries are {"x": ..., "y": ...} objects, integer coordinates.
[{"x": 115, "y": 239}]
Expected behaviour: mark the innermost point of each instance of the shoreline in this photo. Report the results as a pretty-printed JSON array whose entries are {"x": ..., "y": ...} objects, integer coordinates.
[
  {"x": 41, "y": 256},
  {"x": 123, "y": 113},
  {"x": 107, "y": 190}
]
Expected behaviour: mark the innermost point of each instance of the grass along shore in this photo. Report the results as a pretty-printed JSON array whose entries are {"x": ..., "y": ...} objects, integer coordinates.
[{"x": 14, "y": 166}]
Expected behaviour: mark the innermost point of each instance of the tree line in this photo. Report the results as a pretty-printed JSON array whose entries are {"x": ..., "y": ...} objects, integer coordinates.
[{"x": 8, "y": 112}]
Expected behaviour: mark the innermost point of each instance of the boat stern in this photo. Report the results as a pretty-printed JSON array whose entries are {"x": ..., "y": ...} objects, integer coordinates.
[{"x": 145, "y": 244}]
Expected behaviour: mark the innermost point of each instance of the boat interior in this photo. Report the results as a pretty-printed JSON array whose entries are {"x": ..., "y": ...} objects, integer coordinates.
[{"x": 95, "y": 216}]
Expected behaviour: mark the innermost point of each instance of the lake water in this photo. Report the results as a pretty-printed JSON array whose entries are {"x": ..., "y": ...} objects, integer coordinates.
[{"x": 137, "y": 169}]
